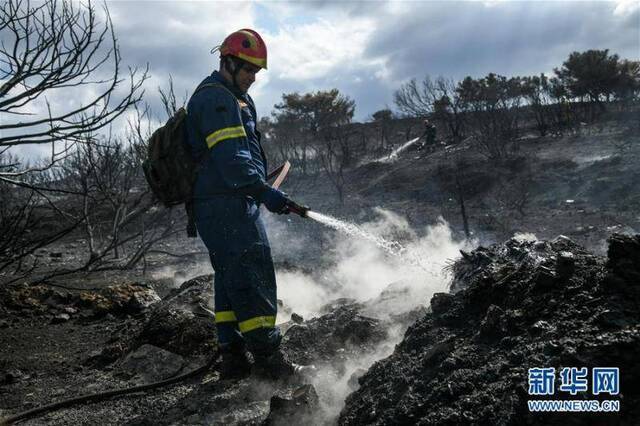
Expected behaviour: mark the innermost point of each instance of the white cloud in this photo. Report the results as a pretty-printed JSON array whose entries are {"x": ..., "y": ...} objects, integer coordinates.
[
  {"x": 311, "y": 51},
  {"x": 365, "y": 49},
  {"x": 626, "y": 8}
]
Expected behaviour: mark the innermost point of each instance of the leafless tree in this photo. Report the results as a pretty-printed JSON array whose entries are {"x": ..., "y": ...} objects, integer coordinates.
[
  {"x": 335, "y": 155},
  {"x": 493, "y": 113},
  {"x": 112, "y": 208},
  {"x": 416, "y": 99},
  {"x": 382, "y": 119},
  {"x": 87, "y": 181},
  {"x": 51, "y": 46},
  {"x": 455, "y": 180},
  {"x": 438, "y": 99}
]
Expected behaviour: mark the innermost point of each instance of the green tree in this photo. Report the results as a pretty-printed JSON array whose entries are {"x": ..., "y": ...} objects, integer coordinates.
[
  {"x": 493, "y": 111},
  {"x": 536, "y": 91},
  {"x": 315, "y": 124},
  {"x": 593, "y": 74},
  {"x": 382, "y": 119},
  {"x": 628, "y": 85}
]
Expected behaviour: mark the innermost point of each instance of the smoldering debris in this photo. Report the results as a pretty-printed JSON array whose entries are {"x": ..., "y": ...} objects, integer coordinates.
[
  {"x": 518, "y": 305},
  {"x": 180, "y": 323},
  {"x": 331, "y": 341},
  {"x": 43, "y": 300}
]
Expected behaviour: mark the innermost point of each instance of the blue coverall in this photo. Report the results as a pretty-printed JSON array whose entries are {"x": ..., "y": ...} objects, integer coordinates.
[{"x": 224, "y": 140}]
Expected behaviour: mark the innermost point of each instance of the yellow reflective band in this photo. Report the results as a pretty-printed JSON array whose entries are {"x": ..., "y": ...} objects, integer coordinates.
[
  {"x": 257, "y": 322},
  {"x": 226, "y": 316},
  {"x": 226, "y": 133}
]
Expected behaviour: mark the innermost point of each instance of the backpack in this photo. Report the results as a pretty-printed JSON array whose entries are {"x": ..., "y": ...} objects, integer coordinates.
[{"x": 169, "y": 168}]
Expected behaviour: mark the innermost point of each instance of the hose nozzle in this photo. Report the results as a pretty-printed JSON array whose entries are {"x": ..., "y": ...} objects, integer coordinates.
[{"x": 297, "y": 208}]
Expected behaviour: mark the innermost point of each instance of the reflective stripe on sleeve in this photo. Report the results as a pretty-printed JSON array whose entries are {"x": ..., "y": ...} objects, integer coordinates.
[
  {"x": 226, "y": 133},
  {"x": 226, "y": 316},
  {"x": 257, "y": 322}
]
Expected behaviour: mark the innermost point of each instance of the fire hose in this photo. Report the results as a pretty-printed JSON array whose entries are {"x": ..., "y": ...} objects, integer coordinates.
[
  {"x": 280, "y": 173},
  {"x": 95, "y": 397},
  {"x": 292, "y": 207}
]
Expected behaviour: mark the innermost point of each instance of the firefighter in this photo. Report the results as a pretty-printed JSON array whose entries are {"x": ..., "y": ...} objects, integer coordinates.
[
  {"x": 230, "y": 186},
  {"x": 429, "y": 136}
]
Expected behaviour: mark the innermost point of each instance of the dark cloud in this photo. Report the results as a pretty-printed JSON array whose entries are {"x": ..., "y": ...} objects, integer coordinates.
[
  {"x": 456, "y": 39},
  {"x": 459, "y": 39}
]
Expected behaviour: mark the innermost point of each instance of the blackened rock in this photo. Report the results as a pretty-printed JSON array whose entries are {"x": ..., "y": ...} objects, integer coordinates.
[
  {"x": 191, "y": 295},
  {"x": 57, "y": 300},
  {"x": 11, "y": 376},
  {"x": 149, "y": 364},
  {"x": 326, "y": 337},
  {"x": 355, "y": 376},
  {"x": 565, "y": 264},
  {"x": 492, "y": 325},
  {"x": 563, "y": 243},
  {"x": 442, "y": 373},
  {"x": 624, "y": 257},
  {"x": 176, "y": 323},
  {"x": 612, "y": 318},
  {"x": 297, "y": 318},
  {"x": 544, "y": 279},
  {"x": 337, "y": 303},
  {"x": 541, "y": 327},
  {"x": 297, "y": 409},
  {"x": 440, "y": 303},
  {"x": 179, "y": 331}
]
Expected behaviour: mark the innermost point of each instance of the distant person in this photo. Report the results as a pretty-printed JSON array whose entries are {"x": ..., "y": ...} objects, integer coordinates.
[
  {"x": 230, "y": 186},
  {"x": 429, "y": 136}
]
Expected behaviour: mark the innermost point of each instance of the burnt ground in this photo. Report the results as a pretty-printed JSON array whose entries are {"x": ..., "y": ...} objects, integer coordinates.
[
  {"x": 70, "y": 336},
  {"x": 520, "y": 305},
  {"x": 513, "y": 306},
  {"x": 73, "y": 343},
  {"x": 585, "y": 185}
]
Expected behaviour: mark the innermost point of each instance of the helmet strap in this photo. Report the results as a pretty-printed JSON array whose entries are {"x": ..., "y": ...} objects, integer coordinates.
[{"x": 232, "y": 67}]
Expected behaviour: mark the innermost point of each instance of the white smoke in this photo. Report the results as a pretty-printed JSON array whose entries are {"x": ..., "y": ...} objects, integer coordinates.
[
  {"x": 386, "y": 264},
  {"x": 301, "y": 294},
  {"x": 183, "y": 273},
  {"x": 525, "y": 237},
  {"x": 362, "y": 270}
]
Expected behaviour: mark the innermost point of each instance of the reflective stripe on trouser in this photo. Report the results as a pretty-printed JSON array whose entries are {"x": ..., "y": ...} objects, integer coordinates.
[
  {"x": 226, "y": 316},
  {"x": 244, "y": 282}
]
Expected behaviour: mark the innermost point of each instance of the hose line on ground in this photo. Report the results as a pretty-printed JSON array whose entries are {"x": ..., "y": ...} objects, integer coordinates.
[{"x": 108, "y": 394}]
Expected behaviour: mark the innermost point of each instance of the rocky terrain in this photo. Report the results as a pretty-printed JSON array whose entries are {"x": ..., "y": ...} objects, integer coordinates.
[
  {"x": 62, "y": 344},
  {"x": 519, "y": 305},
  {"x": 396, "y": 356},
  {"x": 464, "y": 360}
]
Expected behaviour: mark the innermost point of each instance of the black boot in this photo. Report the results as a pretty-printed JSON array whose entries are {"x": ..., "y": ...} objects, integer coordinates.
[
  {"x": 236, "y": 362},
  {"x": 277, "y": 366}
]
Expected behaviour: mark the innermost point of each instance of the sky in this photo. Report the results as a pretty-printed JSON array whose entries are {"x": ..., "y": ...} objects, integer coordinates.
[{"x": 366, "y": 49}]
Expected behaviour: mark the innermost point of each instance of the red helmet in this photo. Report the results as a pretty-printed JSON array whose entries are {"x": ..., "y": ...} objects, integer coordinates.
[{"x": 247, "y": 45}]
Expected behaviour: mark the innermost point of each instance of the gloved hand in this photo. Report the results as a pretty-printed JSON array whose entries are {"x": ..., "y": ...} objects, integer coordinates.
[{"x": 274, "y": 200}]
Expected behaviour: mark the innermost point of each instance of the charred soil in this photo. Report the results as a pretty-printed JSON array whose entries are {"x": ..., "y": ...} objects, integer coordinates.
[{"x": 519, "y": 305}]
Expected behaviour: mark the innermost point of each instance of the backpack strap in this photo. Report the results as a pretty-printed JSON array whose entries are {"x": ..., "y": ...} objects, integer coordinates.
[{"x": 222, "y": 86}]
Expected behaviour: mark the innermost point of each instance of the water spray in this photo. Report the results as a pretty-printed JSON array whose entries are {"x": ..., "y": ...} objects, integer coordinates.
[{"x": 393, "y": 248}]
